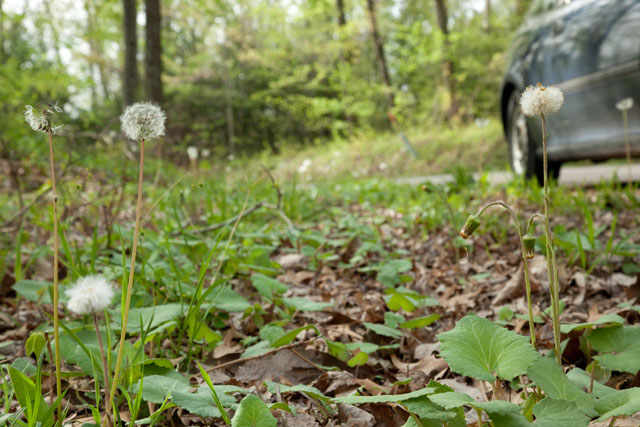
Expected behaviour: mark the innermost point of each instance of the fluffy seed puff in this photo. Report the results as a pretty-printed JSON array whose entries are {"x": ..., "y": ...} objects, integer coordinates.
[
  {"x": 90, "y": 294},
  {"x": 143, "y": 120},
  {"x": 41, "y": 122},
  {"x": 539, "y": 100}
]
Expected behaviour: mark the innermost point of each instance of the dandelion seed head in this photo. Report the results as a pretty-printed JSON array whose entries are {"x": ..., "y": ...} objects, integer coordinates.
[
  {"x": 625, "y": 104},
  {"x": 90, "y": 294},
  {"x": 143, "y": 120},
  {"x": 539, "y": 100},
  {"x": 38, "y": 122},
  {"x": 192, "y": 152}
]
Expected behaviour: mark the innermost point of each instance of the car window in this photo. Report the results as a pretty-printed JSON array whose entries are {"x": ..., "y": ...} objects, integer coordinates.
[{"x": 622, "y": 42}]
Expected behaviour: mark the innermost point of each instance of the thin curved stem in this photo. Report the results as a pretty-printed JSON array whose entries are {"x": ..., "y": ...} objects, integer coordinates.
[
  {"x": 125, "y": 316},
  {"x": 527, "y": 282},
  {"x": 530, "y": 223},
  {"x": 552, "y": 269},
  {"x": 56, "y": 332}
]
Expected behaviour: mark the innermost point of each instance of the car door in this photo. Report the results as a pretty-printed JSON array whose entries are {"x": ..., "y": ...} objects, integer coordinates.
[{"x": 590, "y": 53}]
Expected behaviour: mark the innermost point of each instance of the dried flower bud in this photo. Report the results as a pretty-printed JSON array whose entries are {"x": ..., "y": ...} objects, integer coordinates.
[
  {"x": 539, "y": 100},
  {"x": 529, "y": 246},
  {"x": 143, "y": 120},
  {"x": 472, "y": 223}
]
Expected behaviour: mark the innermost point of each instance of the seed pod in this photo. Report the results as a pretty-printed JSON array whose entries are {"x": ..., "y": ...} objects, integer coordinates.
[
  {"x": 529, "y": 246},
  {"x": 472, "y": 223}
]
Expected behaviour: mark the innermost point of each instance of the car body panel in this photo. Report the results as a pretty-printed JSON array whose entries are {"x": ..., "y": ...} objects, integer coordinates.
[{"x": 591, "y": 50}]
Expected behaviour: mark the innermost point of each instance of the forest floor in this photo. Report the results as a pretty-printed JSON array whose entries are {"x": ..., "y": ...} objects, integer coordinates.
[{"x": 326, "y": 301}]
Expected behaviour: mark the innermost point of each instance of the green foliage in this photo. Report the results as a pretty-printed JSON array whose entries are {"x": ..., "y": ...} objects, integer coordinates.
[
  {"x": 621, "y": 402},
  {"x": 621, "y": 348},
  {"x": 478, "y": 348},
  {"x": 253, "y": 412}
]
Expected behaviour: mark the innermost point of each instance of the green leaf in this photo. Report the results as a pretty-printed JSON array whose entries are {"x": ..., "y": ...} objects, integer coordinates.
[
  {"x": 583, "y": 380},
  {"x": 303, "y": 304},
  {"x": 299, "y": 388},
  {"x": 451, "y": 399},
  {"x": 425, "y": 408},
  {"x": 35, "y": 343},
  {"x": 420, "y": 322},
  {"x": 160, "y": 314},
  {"x": 553, "y": 412},
  {"x": 291, "y": 335},
  {"x": 358, "y": 360},
  {"x": 216, "y": 399},
  {"x": 25, "y": 391},
  {"x": 385, "y": 398},
  {"x": 546, "y": 373},
  {"x": 33, "y": 290},
  {"x": 383, "y": 330},
  {"x": 253, "y": 412},
  {"x": 607, "y": 319},
  {"x": 622, "y": 345},
  {"x": 202, "y": 402},
  {"x": 155, "y": 388},
  {"x": 621, "y": 402},
  {"x": 477, "y": 348},
  {"x": 338, "y": 350},
  {"x": 266, "y": 286},
  {"x": 366, "y": 347}
]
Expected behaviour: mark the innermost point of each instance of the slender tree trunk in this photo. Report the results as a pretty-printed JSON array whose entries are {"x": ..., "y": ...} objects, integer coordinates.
[
  {"x": 229, "y": 112},
  {"x": 2, "y": 55},
  {"x": 55, "y": 36},
  {"x": 486, "y": 23},
  {"x": 447, "y": 63},
  {"x": 342, "y": 17},
  {"x": 153, "y": 52},
  {"x": 382, "y": 61},
  {"x": 130, "y": 75},
  {"x": 96, "y": 52}
]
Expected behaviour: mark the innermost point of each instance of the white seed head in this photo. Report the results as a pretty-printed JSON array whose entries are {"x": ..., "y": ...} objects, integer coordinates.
[
  {"x": 625, "y": 104},
  {"x": 143, "y": 120},
  {"x": 206, "y": 153},
  {"x": 539, "y": 100},
  {"x": 38, "y": 122},
  {"x": 192, "y": 152},
  {"x": 90, "y": 294},
  {"x": 306, "y": 163}
]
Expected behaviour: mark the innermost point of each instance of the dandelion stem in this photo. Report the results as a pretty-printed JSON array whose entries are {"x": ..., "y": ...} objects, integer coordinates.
[
  {"x": 125, "y": 316},
  {"x": 552, "y": 269},
  {"x": 627, "y": 144},
  {"x": 105, "y": 371},
  {"x": 56, "y": 333}
]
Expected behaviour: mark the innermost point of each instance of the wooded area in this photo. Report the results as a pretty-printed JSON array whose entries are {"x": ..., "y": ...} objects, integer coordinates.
[{"x": 251, "y": 75}]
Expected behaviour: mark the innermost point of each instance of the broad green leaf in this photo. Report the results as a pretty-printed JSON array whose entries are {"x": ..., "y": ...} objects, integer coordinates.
[
  {"x": 383, "y": 330},
  {"x": 202, "y": 403},
  {"x": 266, "y": 286},
  {"x": 337, "y": 350},
  {"x": 258, "y": 348},
  {"x": 621, "y": 345},
  {"x": 478, "y": 348},
  {"x": 425, "y": 408},
  {"x": 228, "y": 300},
  {"x": 607, "y": 319},
  {"x": 33, "y": 290},
  {"x": 155, "y": 388},
  {"x": 303, "y": 304},
  {"x": 214, "y": 394},
  {"x": 299, "y": 388},
  {"x": 621, "y": 402},
  {"x": 583, "y": 380},
  {"x": 366, "y": 347},
  {"x": 392, "y": 319},
  {"x": 160, "y": 314},
  {"x": 553, "y": 412},
  {"x": 35, "y": 343},
  {"x": 420, "y": 322},
  {"x": 253, "y": 412},
  {"x": 25, "y": 391},
  {"x": 200, "y": 331},
  {"x": 384, "y": 398},
  {"x": 546, "y": 373}
]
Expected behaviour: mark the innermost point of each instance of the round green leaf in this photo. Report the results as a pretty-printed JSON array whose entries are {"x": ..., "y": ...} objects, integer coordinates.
[
  {"x": 253, "y": 412},
  {"x": 478, "y": 348}
]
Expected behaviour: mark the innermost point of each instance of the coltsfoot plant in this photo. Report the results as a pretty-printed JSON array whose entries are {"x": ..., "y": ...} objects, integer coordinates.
[
  {"x": 140, "y": 122},
  {"x": 42, "y": 122}
]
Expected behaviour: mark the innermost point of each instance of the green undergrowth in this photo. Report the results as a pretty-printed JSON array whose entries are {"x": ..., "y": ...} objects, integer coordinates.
[{"x": 182, "y": 310}]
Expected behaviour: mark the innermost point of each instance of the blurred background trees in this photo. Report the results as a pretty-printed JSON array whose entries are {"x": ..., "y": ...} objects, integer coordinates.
[{"x": 247, "y": 75}]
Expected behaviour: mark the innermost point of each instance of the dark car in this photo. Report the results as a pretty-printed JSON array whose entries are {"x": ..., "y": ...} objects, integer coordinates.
[{"x": 591, "y": 50}]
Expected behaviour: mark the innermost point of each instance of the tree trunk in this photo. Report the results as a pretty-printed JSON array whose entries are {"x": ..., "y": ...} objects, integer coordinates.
[
  {"x": 342, "y": 17},
  {"x": 153, "y": 52},
  {"x": 447, "y": 63},
  {"x": 231, "y": 139},
  {"x": 130, "y": 75},
  {"x": 96, "y": 51},
  {"x": 382, "y": 61},
  {"x": 2, "y": 55},
  {"x": 486, "y": 23}
]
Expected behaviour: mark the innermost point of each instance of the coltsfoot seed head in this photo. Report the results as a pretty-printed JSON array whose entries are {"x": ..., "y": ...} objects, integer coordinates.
[
  {"x": 529, "y": 246},
  {"x": 90, "y": 294},
  {"x": 539, "y": 100},
  {"x": 471, "y": 225},
  {"x": 192, "y": 153},
  {"x": 143, "y": 120},
  {"x": 625, "y": 104}
]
